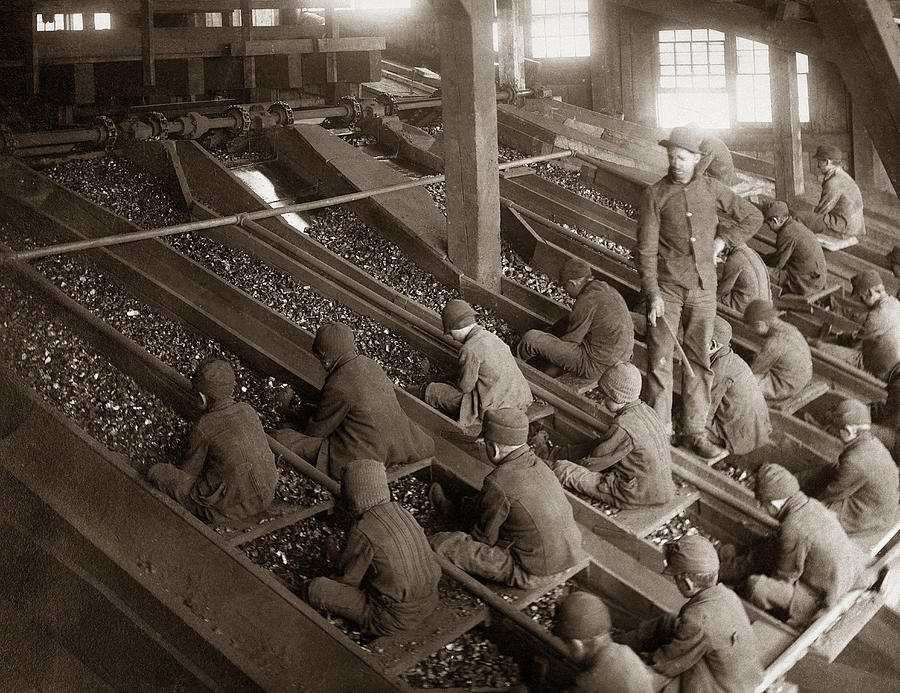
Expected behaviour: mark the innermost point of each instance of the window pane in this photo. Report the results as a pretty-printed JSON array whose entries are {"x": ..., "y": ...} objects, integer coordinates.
[
  {"x": 761, "y": 60},
  {"x": 581, "y": 5},
  {"x": 213, "y": 18},
  {"x": 552, "y": 46},
  {"x": 102, "y": 20},
  {"x": 698, "y": 35},
  {"x": 582, "y": 46},
  {"x": 683, "y": 70},
  {"x": 683, "y": 59},
  {"x": 551, "y": 25},
  {"x": 699, "y": 56},
  {"x": 582, "y": 26},
  {"x": 743, "y": 44},
  {"x": 537, "y": 6},
  {"x": 745, "y": 62},
  {"x": 717, "y": 69},
  {"x": 566, "y": 25},
  {"x": 667, "y": 69},
  {"x": 682, "y": 48},
  {"x": 683, "y": 82},
  {"x": 539, "y": 47},
  {"x": 717, "y": 82},
  {"x": 77, "y": 22},
  {"x": 552, "y": 7},
  {"x": 716, "y": 35},
  {"x": 666, "y": 36},
  {"x": 566, "y": 5},
  {"x": 745, "y": 98},
  {"x": 683, "y": 35},
  {"x": 802, "y": 63},
  {"x": 236, "y": 18},
  {"x": 537, "y": 27},
  {"x": 803, "y": 97}
]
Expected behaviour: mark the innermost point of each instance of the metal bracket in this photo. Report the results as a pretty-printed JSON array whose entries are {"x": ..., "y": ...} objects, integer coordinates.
[
  {"x": 242, "y": 117},
  {"x": 354, "y": 108},
  {"x": 389, "y": 103},
  {"x": 160, "y": 125}
]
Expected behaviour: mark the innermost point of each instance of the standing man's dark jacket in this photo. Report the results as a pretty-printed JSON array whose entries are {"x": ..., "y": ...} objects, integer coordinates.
[
  {"x": 713, "y": 648},
  {"x": 522, "y": 505},
  {"x": 360, "y": 418},
  {"x": 799, "y": 259},
  {"x": 865, "y": 491},
  {"x": 738, "y": 413},
  {"x": 744, "y": 279},
  {"x": 601, "y": 323}
]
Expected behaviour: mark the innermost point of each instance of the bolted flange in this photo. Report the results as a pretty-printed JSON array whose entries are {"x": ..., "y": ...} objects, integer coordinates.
[
  {"x": 242, "y": 117},
  {"x": 109, "y": 133},
  {"x": 283, "y": 112},
  {"x": 354, "y": 110},
  {"x": 160, "y": 125}
]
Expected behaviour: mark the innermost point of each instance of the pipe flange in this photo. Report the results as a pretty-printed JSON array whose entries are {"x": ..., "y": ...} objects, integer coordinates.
[
  {"x": 509, "y": 92},
  {"x": 160, "y": 125},
  {"x": 283, "y": 112},
  {"x": 242, "y": 117},
  {"x": 8, "y": 141},
  {"x": 389, "y": 103},
  {"x": 354, "y": 110},
  {"x": 109, "y": 133}
]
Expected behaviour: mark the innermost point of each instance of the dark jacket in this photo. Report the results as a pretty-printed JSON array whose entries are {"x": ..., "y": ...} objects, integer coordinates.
[
  {"x": 522, "y": 505},
  {"x": 865, "y": 490},
  {"x": 880, "y": 335},
  {"x": 360, "y": 418},
  {"x": 738, "y": 413},
  {"x": 798, "y": 259},
  {"x": 387, "y": 554},
  {"x": 489, "y": 377},
  {"x": 601, "y": 323},
  {"x": 717, "y": 161},
  {"x": 678, "y": 225},
  {"x": 229, "y": 454},
  {"x": 841, "y": 203},
  {"x": 744, "y": 279},
  {"x": 638, "y": 444},
  {"x": 713, "y": 648},
  {"x": 614, "y": 669},
  {"x": 786, "y": 357},
  {"x": 814, "y": 549}
]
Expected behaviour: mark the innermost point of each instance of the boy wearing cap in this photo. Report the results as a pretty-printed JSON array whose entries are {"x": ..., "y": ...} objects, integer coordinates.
[
  {"x": 710, "y": 646},
  {"x": 679, "y": 237},
  {"x": 524, "y": 534},
  {"x": 816, "y": 563},
  {"x": 783, "y": 364},
  {"x": 599, "y": 331},
  {"x": 488, "y": 376},
  {"x": 738, "y": 413},
  {"x": 228, "y": 471},
  {"x": 388, "y": 573},
  {"x": 798, "y": 263},
  {"x": 358, "y": 415},
  {"x": 744, "y": 278},
  {"x": 632, "y": 465},
  {"x": 717, "y": 161},
  {"x": 865, "y": 490},
  {"x": 839, "y": 211}
]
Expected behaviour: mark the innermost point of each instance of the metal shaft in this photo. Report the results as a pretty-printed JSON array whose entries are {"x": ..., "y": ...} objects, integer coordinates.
[{"x": 75, "y": 246}]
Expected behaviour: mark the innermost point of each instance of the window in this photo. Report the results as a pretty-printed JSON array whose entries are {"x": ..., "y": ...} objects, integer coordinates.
[
  {"x": 559, "y": 29},
  {"x": 692, "y": 78},
  {"x": 382, "y": 4},
  {"x": 264, "y": 17},
  {"x": 803, "y": 86},
  {"x": 102, "y": 21},
  {"x": 236, "y": 18},
  {"x": 752, "y": 83},
  {"x": 212, "y": 18}
]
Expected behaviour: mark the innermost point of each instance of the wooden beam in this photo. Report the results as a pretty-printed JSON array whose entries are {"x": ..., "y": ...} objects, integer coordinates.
[
  {"x": 786, "y": 125},
  {"x": 511, "y": 40},
  {"x": 606, "y": 70},
  {"x": 148, "y": 55}
]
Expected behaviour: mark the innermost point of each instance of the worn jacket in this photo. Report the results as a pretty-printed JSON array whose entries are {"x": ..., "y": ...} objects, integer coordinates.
[
  {"x": 228, "y": 452},
  {"x": 814, "y": 549},
  {"x": 744, "y": 279},
  {"x": 360, "y": 418},
  {"x": 717, "y": 161},
  {"x": 614, "y": 669},
  {"x": 786, "y": 357},
  {"x": 712, "y": 648},
  {"x": 738, "y": 413},
  {"x": 600, "y": 321},
  {"x": 799, "y": 259},
  {"x": 638, "y": 445},
  {"x": 865, "y": 490},
  {"x": 880, "y": 335},
  {"x": 523, "y": 506},
  {"x": 677, "y": 227},
  {"x": 488, "y": 377},
  {"x": 841, "y": 203}
]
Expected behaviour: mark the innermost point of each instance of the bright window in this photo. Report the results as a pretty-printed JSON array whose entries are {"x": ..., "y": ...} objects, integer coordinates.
[
  {"x": 212, "y": 18},
  {"x": 559, "y": 29},
  {"x": 754, "y": 103},
  {"x": 236, "y": 18},
  {"x": 803, "y": 86},
  {"x": 382, "y": 4},
  {"x": 692, "y": 78},
  {"x": 60, "y": 22},
  {"x": 264, "y": 17},
  {"x": 102, "y": 21}
]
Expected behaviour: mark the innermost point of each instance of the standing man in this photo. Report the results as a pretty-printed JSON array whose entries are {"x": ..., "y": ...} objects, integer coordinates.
[
  {"x": 677, "y": 246},
  {"x": 840, "y": 208},
  {"x": 798, "y": 261}
]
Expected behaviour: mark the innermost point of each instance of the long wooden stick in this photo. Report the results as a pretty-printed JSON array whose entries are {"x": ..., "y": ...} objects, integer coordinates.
[{"x": 684, "y": 359}]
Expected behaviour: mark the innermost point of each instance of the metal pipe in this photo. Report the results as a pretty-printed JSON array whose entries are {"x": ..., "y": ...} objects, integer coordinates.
[
  {"x": 57, "y": 137},
  {"x": 74, "y": 246}
]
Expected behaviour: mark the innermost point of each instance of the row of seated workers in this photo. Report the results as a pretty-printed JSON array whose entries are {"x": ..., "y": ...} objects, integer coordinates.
[{"x": 519, "y": 530}]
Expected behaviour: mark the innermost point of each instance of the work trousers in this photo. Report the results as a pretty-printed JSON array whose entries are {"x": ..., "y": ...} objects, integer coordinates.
[
  {"x": 174, "y": 483},
  {"x": 377, "y": 615},
  {"x": 569, "y": 356},
  {"x": 796, "y": 599},
  {"x": 445, "y": 398},
  {"x": 824, "y": 223},
  {"x": 490, "y": 562},
  {"x": 695, "y": 309},
  {"x": 302, "y": 445},
  {"x": 851, "y": 355},
  {"x": 600, "y": 486}
]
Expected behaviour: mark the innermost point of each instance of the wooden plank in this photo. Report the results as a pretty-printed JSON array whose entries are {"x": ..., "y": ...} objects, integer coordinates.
[
  {"x": 272, "y": 46},
  {"x": 786, "y": 125},
  {"x": 354, "y": 43},
  {"x": 512, "y": 43}
]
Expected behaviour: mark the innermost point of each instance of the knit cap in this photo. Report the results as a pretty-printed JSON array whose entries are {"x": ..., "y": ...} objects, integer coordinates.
[
  {"x": 774, "y": 482},
  {"x": 334, "y": 339},
  {"x": 691, "y": 554},
  {"x": 621, "y": 382},
  {"x": 829, "y": 151},
  {"x": 865, "y": 280},
  {"x": 505, "y": 426},
  {"x": 456, "y": 315},
  {"x": 721, "y": 331},
  {"x": 581, "y": 616},
  {"x": 364, "y": 485},
  {"x": 215, "y": 379},
  {"x": 574, "y": 268},
  {"x": 778, "y": 208},
  {"x": 851, "y": 412},
  {"x": 759, "y": 311}
]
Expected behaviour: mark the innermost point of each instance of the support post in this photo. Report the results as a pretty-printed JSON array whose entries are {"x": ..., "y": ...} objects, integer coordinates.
[
  {"x": 470, "y": 139},
  {"x": 785, "y": 124},
  {"x": 606, "y": 72},
  {"x": 148, "y": 55},
  {"x": 511, "y": 40},
  {"x": 32, "y": 60}
]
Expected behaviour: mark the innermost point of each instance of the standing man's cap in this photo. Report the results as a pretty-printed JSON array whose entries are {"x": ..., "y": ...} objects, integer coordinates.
[
  {"x": 777, "y": 208},
  {"x": 456, "y": 315},
  {"x": 685, "y": 138},
  {"x": 621, "y": 382},
  {"x": 581, "y": 616},
  {"x": 774, "y": 482},
  {"x": 215, "y": 379},
  {"x": 691, "y": 554},
  {"x": 759, "y": 311},
  {"x": 505, "y": 426},
  {"x": 574, "y": 268},
  {"x": 829, "y": 151},
  {"x": 865, "y": 280},
  {"x": 334, "y": 339},
  {"x": 851, "y": 412}
]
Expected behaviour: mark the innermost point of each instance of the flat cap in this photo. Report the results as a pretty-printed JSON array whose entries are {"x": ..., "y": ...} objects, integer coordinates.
[
  {"x": 574, "y": 268},
  {"x": 456, "y": 315},
  {"x": 865, "y": 280},
  {"x": 759, "y": 311},
  {"x": 621, "y": 382},
  {"x": 581, "y": 616},
  {"x": 777, "y": 208},
  {"x": 829, "y": 151},
  {"x": 506, "y": 426},
  {"x": 722, "y": 331},
  {"x": 851, "y": 412},
  {"x": 215, "y": 379},
  {"x": 684, "y": 138},
  {"x": 774, "y": 482},
  {"x": 691, "y": 554}
]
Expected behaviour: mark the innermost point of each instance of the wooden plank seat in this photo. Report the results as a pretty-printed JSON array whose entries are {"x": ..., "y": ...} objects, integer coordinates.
[
  {"x": 538, "y": 410},
  {"x": 808, "y": 394},
  {"x": 577, "y": 385},
  {"x": 805, "y": 303},
  {"x": 872, "y": 542}
]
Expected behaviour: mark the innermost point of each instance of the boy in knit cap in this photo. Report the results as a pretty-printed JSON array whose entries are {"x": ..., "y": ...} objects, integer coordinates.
[
  {"x": 228, "y": 471},
  {"x": 839, "y": 211},
  {"x": 488, "y": 376},
  {"x": 744, "y": 277},
  {"x": 632, "y": 465},
  {"x": 798, "y": 261},
  {"x": 388, "y": 573},
  {"x": 524, "y": 534},
  {"x": 816, "y": 563},
  {"x": 865, "y": 490},
  {"x": 710, "y": 646},
  {"x": 358, "y": 415},
  {"x": 783, "y": 364},
  {"x": 738, "y": 413},
  {"x": 598, "y": 333}
]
